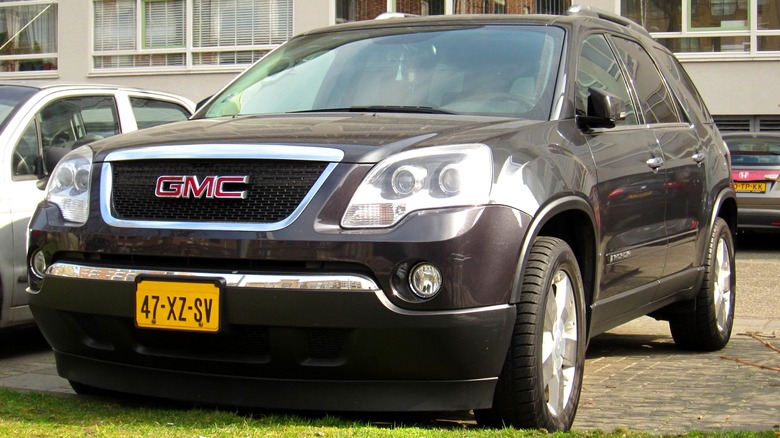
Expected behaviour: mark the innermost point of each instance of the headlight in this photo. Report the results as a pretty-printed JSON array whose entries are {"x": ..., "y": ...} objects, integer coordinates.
[
  {"x": 443, "y": 176},
  {"x": 68, "y": 186}
]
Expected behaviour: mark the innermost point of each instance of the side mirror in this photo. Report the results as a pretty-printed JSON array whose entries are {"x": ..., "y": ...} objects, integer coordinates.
[
  {"x": 604, "y": 110},
  {"x": 200, "y": 104},
  {"x": 52, "y": 156}
]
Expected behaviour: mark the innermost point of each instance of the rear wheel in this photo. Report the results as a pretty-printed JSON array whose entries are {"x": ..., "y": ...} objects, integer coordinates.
[
  {"x": 539, "y": 386},
  {"x": 708, "y": 328}
]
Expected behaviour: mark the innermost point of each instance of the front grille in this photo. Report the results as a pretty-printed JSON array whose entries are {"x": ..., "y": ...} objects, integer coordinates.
[{"x": 274, "y": 190}]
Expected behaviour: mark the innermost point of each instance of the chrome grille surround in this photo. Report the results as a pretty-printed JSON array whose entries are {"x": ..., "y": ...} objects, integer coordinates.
[{"x": 214, "y": 152}]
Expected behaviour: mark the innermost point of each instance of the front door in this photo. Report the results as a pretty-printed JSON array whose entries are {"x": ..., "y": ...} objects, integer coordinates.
[{"x": 627, "y": 157}]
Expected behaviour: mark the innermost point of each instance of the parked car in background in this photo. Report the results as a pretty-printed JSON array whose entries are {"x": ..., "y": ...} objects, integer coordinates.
[
  {"x": 755, "y": 168},
  {"x": 412, "y": 214},
  {"x": 40, "y": 123}
]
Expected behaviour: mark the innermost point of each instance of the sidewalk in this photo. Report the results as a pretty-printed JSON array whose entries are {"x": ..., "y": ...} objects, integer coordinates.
[{"x": 635, "y": 378}]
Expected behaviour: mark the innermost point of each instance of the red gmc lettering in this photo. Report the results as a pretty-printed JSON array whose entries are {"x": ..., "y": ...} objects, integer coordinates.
[
  {"x": 189, "y": 186},
  {"x": 220, "y": 192}
]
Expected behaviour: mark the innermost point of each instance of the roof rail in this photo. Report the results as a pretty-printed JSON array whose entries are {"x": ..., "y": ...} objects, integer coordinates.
[
  {"x": 386, "y": 15},
  {"x": 589, "y": 11}
]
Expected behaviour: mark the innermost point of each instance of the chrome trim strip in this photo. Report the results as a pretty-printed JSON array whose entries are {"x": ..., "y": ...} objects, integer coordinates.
[
  {"x": 216, "y": 151},
  {"x": 339, "y": 282},
  {"x": 315, "y": 282},
  {"x": 230, "y": 151}
]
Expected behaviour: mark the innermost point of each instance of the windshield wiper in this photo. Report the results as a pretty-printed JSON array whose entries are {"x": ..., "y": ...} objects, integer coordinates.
[{"x": 380, "y": 109}]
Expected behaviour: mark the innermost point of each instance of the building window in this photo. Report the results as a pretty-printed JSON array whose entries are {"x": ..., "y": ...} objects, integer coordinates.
[
  {"x": 710, "y": 28},
  {"x": 492, "y": 6},
  {"x": 131, "y": 34},
  {"x": 163, "y": 24},
  {"x": 28, "y": 37},
  {"x": 238, "y": 31},
  {"x": 511, "y": 6},
  {"x": 356, "y": 10}
]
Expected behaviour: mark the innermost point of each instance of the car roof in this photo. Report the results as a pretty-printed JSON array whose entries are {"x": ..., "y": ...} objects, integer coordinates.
[
  {"x": 44, "y": 85},
  {"x": 78, "y": 86}
]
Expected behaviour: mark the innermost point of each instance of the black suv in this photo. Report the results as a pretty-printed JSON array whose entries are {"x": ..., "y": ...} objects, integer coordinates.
[{"x": 411, "y": 214}]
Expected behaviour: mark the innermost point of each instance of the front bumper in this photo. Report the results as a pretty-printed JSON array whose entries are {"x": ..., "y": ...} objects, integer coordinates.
[
  {"x": 292, "y": 338},
  {"x": 349, "y": 349}
]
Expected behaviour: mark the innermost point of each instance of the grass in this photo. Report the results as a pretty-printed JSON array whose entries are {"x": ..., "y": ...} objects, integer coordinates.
[{"x": 27, "y": 414}]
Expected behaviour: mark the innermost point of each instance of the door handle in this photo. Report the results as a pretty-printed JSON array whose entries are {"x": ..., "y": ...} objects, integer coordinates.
[{"x": 655, "y": 163}]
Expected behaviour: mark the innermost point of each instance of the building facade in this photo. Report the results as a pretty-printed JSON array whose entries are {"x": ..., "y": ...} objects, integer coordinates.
[{"x": 731, "y": 48}]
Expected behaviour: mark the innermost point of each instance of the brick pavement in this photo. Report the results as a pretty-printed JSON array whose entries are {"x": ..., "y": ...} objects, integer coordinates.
[{"x": 635, "y": 379}]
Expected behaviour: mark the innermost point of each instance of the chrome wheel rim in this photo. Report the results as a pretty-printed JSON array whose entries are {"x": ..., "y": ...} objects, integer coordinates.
[
  {"x": 722, "y": 293},
  {"x": 559, "y": 343}
]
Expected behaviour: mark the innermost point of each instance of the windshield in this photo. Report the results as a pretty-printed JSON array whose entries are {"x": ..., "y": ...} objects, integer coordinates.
[
  {"x": 11, "y": 98},
  {"x": 501, "y": 70},
  {"x": 754, "y": 151}
]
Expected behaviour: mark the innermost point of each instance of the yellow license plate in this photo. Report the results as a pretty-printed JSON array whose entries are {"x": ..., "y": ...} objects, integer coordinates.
[
  {"x": 750, "y": 187},
  {"x": 177, "y": 305}
]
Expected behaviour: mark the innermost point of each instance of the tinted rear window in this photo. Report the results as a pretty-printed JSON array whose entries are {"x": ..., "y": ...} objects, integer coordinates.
[{"x": 754, "y": 151}]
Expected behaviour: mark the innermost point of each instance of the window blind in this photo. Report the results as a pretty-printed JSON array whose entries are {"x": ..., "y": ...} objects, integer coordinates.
[{"x": 163, "y": 25}]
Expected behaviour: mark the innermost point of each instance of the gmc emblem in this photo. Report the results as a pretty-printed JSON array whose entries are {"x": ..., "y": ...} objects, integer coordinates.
[{"x": 188, "y": 186}]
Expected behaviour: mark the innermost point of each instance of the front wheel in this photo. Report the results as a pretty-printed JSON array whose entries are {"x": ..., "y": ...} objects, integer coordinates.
[
  {"x": 708, "y": 328},
  {"x": 539, "y": 386}
]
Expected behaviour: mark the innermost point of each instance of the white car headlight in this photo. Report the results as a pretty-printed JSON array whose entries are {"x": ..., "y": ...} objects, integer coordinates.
[
  {"x": 436, "y": 177},
  {"x": 68, "y": 186}
]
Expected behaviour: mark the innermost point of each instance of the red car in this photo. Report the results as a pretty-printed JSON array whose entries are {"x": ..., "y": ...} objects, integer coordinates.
[{"x": 755, "y": 161}]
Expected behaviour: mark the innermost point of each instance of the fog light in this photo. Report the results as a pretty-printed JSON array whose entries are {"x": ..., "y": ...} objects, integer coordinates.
[
  {"x": 425, "y": 280},
  {"x": 38, "y": 264}
]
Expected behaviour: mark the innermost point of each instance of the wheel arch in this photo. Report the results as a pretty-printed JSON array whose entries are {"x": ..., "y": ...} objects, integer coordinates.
[
  {"x": 725, "y": 207},
  {"x": 572, "y": 220}
]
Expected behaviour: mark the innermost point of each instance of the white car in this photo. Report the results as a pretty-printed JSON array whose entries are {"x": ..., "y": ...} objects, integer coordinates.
[{"x": 38, "y": 124}]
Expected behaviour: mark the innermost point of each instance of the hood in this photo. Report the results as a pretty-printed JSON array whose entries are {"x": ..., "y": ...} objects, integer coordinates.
[{"x": 364, "y": 138}]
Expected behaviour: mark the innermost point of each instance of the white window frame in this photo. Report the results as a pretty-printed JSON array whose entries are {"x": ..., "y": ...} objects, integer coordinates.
[{"x": 188, "y": 50}]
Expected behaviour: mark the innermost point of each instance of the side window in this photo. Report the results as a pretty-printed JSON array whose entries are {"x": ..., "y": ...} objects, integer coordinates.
[
  {"x": 657, "y": 104},
  {"x": 598, "y": 68},
  {"x": 74, "y": 121},
  {"x": 25, "y": 158},
  {"x": 150, "y": 112},
  {"x": 689, "y": 96}
]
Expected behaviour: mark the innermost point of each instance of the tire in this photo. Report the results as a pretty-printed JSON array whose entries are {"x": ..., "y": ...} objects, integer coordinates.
[
  {"x": 708, "y": 328},
  {"x": 539, "y": 386}
]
